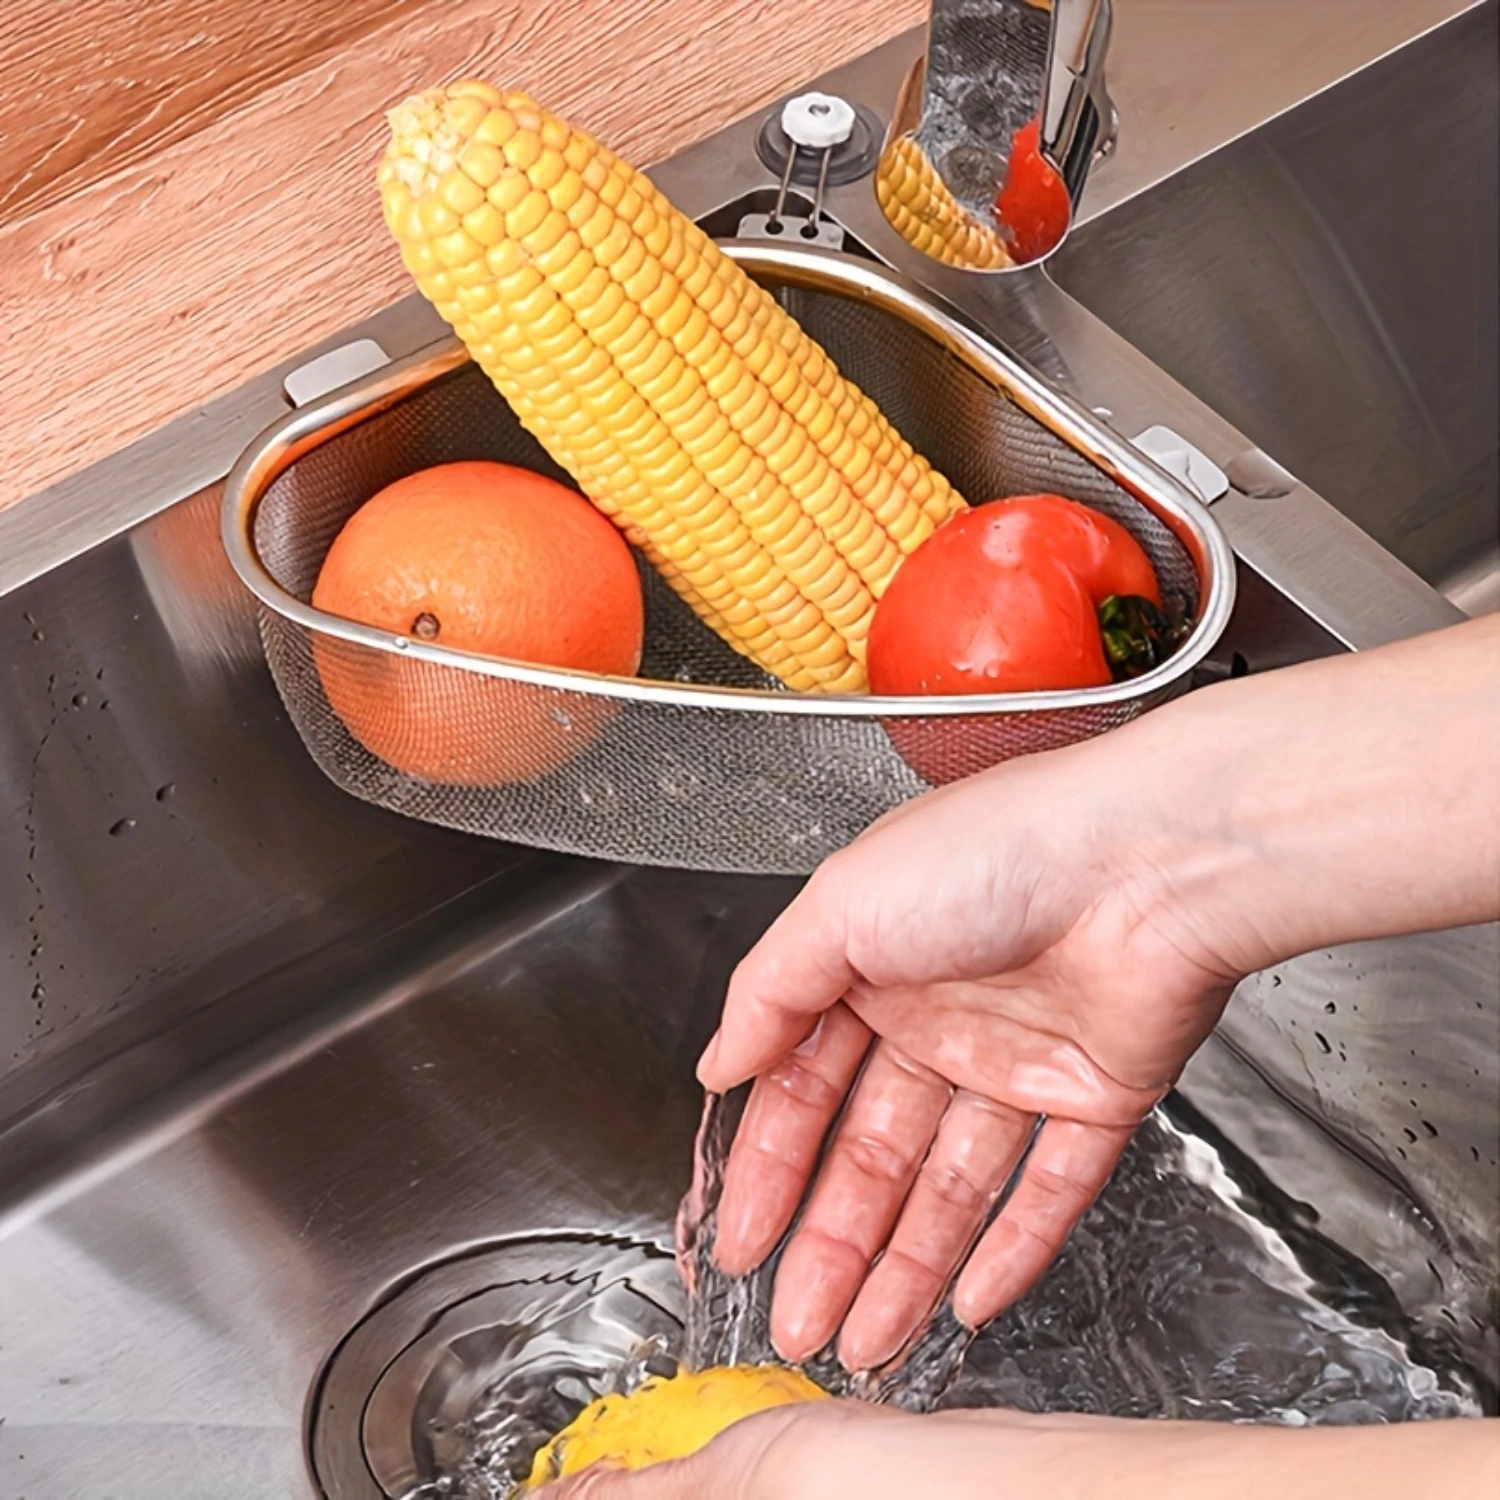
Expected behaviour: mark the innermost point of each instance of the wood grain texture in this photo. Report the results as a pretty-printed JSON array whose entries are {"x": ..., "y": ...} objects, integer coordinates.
[
  {"x": 121, "y": 84},
  {"x": 194, "y": 244}
]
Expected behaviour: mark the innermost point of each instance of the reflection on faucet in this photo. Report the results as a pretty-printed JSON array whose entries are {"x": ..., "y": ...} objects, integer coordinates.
[
  {"x": 914, "y": 197},
  {"x": 995, "y": 129}
]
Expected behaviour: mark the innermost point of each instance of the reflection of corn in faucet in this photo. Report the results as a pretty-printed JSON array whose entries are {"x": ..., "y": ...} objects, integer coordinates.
[
  {"x": 916, "y": 200},
  {"x": 992, "y": 69}
]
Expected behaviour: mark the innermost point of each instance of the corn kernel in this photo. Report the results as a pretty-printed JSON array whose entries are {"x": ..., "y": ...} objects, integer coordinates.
[{"x": 768, "y": 491}]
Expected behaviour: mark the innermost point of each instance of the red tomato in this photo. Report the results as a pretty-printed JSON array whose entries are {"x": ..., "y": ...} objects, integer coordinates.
[
  {"x": 957, "y": 618},
  {"x": 1003, "y": 599},
  {"x": 1032, "y": 204},
  {"x": 1099, "y": 550}
]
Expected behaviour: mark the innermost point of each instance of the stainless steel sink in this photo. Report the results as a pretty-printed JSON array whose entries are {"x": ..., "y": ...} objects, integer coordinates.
[{"x": 266, "y": 1053}]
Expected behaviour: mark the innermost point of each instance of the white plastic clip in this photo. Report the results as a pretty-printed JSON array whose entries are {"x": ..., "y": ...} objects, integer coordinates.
[
  {"x": 1183, "y": 461},
  {"x": 818, "y": 122},
  {"x": 331, "y": 370}
]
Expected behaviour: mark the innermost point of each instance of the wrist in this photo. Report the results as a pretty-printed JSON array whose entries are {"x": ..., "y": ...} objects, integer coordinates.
[
  {"x": 1345, "y": 799},
  {"x": 1194, "y": 851},
  {"x": 1244, "y": 836},
  {"x": 1074, "y": 1457}
]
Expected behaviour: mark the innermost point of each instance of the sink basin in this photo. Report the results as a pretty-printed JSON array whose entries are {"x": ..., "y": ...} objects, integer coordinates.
[
  {"x": 1328, "y": 284},
  {"x": 274, "y": 1060}
]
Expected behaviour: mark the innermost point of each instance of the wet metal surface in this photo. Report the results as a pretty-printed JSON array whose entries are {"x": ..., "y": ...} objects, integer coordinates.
[{"x": 167, "y": 1325}]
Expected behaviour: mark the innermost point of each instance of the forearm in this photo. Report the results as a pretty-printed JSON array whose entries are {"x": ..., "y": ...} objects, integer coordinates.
[
  {"x": 1086, "y": 1458},
  {"x": 1054, "y": 937},
  {"x": 1350, "y": 798},
  {"x": 840, "y": 1448}
]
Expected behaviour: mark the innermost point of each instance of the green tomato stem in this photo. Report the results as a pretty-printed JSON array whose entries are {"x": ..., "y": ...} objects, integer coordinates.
[{"x": 1138, "y": 635}]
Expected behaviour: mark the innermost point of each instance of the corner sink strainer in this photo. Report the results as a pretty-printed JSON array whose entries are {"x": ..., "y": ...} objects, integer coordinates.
[{"x": 702, "y": 761}]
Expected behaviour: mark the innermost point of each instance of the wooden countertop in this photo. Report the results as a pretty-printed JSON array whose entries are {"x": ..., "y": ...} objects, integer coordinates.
[{"x": 186, "y": 186}]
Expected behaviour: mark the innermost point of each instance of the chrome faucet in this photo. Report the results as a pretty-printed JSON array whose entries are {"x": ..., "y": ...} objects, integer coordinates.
[{"x": 1000, "y": 79}]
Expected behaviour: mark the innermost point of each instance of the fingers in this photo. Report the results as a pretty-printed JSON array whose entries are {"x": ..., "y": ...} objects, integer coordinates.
[
  {"x": 776, "y": 1146},
  {"x": 797, "y": 971},
  {"x": 818, "y": 1450},
  {"x": 773, "y": 1455},
  {"x": 892, "y": 1117},
  {"x": 986, "y": 1039},
  {"x": 1068, "y": 1166},
  {"x": 977, "y": 1147}
]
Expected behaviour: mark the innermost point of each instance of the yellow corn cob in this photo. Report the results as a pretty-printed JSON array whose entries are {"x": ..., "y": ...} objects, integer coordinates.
[
  {"x": 768, "y": 490},
  {"x": 920, "y": 208}
]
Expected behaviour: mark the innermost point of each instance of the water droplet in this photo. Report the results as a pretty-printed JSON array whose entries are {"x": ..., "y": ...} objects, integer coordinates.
[
  {"x": 165, "y": 790},
  {"x": 1430, "y": 1128},
  {"x": 80, "y": 700},
  {"x": 38, "y": 636},
  {"x": 1323, "y": 1043},
  {"x": 1330, "y": 1007},
  {"x": 122, "y": 827},
  {"x": 103, "y": 703},
  {"x": 1409, "y": 1133},
  {"x": 39, "y": 991}
]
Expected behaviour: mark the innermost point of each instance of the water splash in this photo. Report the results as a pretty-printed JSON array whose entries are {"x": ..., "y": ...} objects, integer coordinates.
[
  {"x": 1174, "y": 1297},
  {"x": 526, "y": 1357}
]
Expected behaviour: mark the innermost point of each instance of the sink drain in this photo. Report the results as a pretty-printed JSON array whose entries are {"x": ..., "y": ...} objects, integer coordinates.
[{"x": 448, "y": 1387}]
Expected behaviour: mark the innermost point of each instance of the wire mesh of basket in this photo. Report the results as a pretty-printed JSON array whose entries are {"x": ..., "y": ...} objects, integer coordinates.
[{"x": 703, "y": 761}]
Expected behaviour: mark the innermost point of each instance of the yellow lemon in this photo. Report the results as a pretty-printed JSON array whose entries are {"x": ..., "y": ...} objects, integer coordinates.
[{"x": 668, "y": 1418}]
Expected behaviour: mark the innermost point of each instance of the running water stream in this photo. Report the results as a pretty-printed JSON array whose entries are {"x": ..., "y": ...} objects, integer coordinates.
[{"x": 1174, "y": 1297}]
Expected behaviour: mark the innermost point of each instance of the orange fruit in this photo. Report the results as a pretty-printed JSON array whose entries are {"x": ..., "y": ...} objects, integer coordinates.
[{"x": 487, "y": 558}]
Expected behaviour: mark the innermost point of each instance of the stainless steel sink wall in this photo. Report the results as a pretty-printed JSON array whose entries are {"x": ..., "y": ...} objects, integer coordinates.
[
  {"x": 162, "y": 1332},
  {"x": 176, "y": 877}
]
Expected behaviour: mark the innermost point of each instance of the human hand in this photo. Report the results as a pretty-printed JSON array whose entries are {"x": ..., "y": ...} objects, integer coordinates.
[
  {"x": 1051, "y": 940},
  {"x": 826, "y": 1450},
  {"x": 837, "y": 1450},
  {"x": 1017, "y": 947}
]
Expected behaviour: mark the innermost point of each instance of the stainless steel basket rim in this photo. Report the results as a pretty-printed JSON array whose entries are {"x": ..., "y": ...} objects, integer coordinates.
[{"x": 292, "y": 436}]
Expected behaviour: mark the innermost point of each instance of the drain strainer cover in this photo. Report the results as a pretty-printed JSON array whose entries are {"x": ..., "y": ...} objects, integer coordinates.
[{"x": 448, "y": 1387}]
